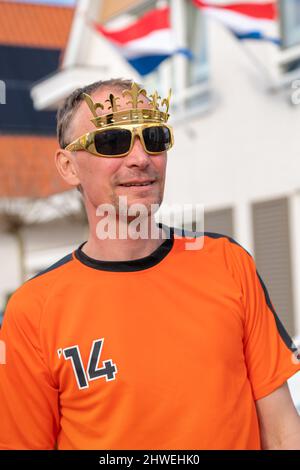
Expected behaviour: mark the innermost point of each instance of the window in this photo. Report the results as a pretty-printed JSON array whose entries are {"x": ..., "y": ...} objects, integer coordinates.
[
  {"x": 273, "y": 257},
  {"x": 219, "y": 221},
  {"x": 290, "y": 37},
  {"x": 188, "y": 78},
  {"x": 290, "y": 22},
  {"x": 197, "y": 70}
]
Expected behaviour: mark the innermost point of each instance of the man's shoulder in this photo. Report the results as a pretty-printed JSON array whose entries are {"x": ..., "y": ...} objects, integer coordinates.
[
  {"x": 54, "y": 268},
  {"x": 217, "y": 249},
  {"x": 27, "y": 302},
  {"x": 37, "y": 287},
  {"x": 229, "y": 243},
  {"x": 211, "y": 240}
]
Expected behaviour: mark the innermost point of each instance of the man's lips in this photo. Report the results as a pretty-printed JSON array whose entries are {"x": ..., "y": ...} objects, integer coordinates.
[{"x": 138, "y": 183}]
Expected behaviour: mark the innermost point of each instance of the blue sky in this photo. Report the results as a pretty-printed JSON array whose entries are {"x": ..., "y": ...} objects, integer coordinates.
[{"x": 50, "y": 2}]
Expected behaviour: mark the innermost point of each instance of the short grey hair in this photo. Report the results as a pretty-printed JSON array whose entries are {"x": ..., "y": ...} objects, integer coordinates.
[{"x": 69, "y": 107}]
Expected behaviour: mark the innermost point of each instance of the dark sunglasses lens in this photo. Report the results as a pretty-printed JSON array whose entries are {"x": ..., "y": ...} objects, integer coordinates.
[
  {"x": 113, "y": 141},
  {"x": 157, "y": 138}
]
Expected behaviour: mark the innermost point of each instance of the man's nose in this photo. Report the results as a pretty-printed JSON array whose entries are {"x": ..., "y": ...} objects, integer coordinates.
[{"x": 138, "y": 156}]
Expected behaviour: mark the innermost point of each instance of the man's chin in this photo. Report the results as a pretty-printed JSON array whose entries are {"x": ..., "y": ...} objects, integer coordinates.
[{"x": 138, "y": 207}]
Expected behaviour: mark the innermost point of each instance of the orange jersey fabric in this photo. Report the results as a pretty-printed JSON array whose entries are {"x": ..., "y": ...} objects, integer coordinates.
[{"x": 166, "y": 352}]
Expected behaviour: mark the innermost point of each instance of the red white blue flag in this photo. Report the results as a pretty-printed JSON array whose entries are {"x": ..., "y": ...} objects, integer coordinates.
[
  {"x": 147, "y": 41},
  {"x": 246, "y": 20}
]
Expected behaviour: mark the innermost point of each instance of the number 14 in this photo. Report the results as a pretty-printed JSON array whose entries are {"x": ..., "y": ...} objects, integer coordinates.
[{"x": 93, "y": 372}]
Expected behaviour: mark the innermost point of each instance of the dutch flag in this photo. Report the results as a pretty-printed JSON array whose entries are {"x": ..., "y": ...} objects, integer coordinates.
[
  {"x": 247, "y": 20},
  {"x": 146, "y": 42}
]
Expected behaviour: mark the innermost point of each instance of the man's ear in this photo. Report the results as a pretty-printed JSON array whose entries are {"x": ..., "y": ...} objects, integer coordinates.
[{"x": 66, "y": 167}]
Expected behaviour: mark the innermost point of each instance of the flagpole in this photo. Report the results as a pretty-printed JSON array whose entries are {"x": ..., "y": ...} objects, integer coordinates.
[{"x": 268, "y": 78}]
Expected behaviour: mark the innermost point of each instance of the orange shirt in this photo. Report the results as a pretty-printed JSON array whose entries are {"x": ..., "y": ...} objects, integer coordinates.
[{"x": 166, "y": 352}]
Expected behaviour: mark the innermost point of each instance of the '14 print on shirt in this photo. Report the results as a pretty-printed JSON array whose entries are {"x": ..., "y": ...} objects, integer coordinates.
[{"x": 92, "y": 372}]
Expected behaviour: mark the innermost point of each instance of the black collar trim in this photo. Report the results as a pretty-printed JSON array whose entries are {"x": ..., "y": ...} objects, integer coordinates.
[{"x": 129, "y": 265}]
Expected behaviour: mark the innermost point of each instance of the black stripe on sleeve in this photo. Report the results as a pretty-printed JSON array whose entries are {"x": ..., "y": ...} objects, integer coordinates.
[{"x": 280, "y": 327}]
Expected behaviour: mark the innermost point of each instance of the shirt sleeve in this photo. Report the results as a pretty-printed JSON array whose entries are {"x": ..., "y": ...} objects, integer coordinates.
[
  {"x": 271, "y": 356},
  {"x": 28, "y": 398}
]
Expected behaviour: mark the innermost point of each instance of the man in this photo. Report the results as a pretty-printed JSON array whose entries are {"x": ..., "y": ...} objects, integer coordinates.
[{"x": 137, "y": 342}]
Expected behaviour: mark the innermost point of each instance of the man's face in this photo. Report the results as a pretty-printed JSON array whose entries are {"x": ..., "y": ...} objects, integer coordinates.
[{"x": 103, "y": 178}]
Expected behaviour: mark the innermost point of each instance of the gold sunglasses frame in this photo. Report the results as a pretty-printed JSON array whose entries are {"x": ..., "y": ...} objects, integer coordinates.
[{"x": 86, "y": 141}]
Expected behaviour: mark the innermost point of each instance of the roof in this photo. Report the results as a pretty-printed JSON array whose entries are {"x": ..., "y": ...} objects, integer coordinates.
[
  {"x": 34, "y": 25},
  {"x": 28, "y": 168},
  {"x": 27, "y": 163}
]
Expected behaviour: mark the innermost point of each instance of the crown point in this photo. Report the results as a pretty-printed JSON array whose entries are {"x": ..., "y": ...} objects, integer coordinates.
[{"x": 134, "y": 113}]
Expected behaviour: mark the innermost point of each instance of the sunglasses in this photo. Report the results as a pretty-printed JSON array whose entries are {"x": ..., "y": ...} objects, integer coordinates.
[{"x": 118, "y": 141}]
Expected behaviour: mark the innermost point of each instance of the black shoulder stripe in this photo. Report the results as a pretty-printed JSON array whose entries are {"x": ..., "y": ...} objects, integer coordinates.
[
  {"x": 182, "y": 232},
  {"x": 58, "y": 263},
  {"x": 281, "y": 329},
  {"x": 221, "y": 235}
]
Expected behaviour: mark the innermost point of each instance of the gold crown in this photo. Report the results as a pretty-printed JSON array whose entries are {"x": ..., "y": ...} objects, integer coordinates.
[{"x": 132, "y": 115}]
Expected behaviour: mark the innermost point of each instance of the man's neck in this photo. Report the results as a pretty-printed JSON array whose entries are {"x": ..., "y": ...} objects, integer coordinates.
[{"x": 126, "y": 248}]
